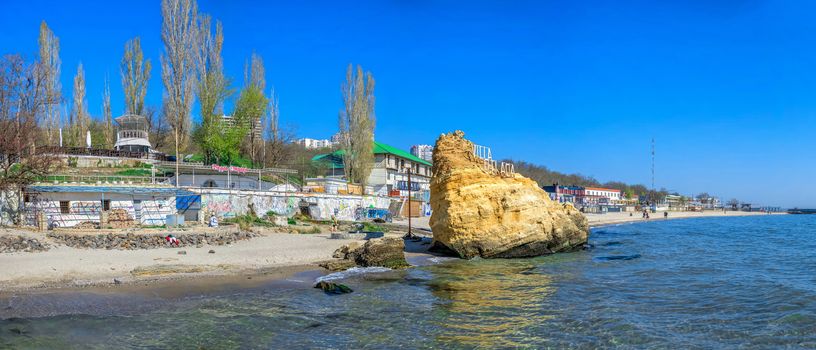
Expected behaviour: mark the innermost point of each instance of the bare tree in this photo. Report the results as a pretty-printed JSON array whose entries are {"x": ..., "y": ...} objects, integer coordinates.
[
  {"x": 180, "y": 37},
  {"x": 108, "y": 116},
  {"x": 80, "y": 120},
  {"x": 356, "y": 124},
  {"x": 213, "y": 86},
  {"x": 49, "y": 66},
  {"x": 254, "y": 75},
  {"x": 23, "y": 96},
  {"x": 275, "y": 140},
  {"x": 135, "y": 75}
]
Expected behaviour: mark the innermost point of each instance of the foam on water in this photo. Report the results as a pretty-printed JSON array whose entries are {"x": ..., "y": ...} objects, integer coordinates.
[{"x": 354, "y": 271}]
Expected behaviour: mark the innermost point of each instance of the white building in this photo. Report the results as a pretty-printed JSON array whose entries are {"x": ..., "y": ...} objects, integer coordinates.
[
  {"x": 314, "y": 143},
  {"x": 389, "y": 175},
  {"x": 424, "y": 152}
]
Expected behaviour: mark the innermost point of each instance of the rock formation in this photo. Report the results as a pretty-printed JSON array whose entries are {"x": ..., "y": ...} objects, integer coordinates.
[
  {"x": 386, "y": 252},
  {"x": 479, "y": 210}
]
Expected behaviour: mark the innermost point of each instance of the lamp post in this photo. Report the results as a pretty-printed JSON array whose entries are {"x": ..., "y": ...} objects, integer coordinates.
[{"x": 409, "y": 234}]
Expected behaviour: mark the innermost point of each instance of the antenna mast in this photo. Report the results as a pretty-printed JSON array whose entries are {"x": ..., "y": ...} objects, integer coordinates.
[{"x": 653, "y": 158}]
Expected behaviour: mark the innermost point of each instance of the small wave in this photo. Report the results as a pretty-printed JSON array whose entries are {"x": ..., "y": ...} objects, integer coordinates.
[
  {"x": 354, "y": 271},
  {"x": 441, "y": 259},
  {"x": 618, "y": 257}
]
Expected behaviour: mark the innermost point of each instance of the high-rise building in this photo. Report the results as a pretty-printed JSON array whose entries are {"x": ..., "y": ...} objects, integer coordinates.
[
  {"x": 254, "y": 127},
  {"x": 424, "y": 152}
]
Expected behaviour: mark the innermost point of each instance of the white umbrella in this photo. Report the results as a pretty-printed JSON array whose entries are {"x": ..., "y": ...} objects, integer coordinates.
[
  {"x": 60, "y": 137},
  {"x": 88, "y": 138}
]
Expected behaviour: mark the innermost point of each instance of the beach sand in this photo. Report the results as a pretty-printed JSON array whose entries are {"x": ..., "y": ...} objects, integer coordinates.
[{"x": 66, "y": 267}]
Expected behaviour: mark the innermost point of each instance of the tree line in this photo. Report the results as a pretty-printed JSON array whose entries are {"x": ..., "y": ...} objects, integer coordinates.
[
  {"x": 192, "y": 69},
  {"x": 546, "y": 177}
]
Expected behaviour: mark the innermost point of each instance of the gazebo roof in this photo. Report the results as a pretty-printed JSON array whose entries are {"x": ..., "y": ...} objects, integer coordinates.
[{"x": 131, "y": 118}]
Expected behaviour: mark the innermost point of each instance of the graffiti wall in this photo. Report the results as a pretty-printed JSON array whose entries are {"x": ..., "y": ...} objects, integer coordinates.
[{"x": 321, "y": 207}]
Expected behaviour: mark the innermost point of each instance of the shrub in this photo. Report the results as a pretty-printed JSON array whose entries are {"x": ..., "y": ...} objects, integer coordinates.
[
  {"x": 292, "y": 221},
  {"x": 371, "y": 227}
]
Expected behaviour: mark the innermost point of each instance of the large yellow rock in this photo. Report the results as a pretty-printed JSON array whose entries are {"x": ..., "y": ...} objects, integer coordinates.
[{"x": 477, "y": 211}]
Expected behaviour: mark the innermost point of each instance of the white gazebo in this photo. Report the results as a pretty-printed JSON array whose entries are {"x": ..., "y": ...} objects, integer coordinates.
[{"x": 132, "y": 135}]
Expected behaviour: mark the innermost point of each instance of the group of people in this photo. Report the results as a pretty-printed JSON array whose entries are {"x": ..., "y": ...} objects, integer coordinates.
[{"x": 646, "y": 214}]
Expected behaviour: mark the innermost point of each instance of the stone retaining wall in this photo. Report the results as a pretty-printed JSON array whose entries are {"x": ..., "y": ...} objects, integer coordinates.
[
  {"x": 147, "y": 241},
  {"x": 12, "y": 244}
]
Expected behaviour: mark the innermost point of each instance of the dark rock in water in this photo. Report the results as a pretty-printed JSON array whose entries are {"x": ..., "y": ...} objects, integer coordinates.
[
  {"x": 333, "y": 288},
  {"x": 619, "y": 257},
  {"x": 18, "y": 331}
]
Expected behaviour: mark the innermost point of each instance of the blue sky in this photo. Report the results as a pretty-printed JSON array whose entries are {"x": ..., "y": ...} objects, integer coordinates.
[{"x": 727, "y": 89}]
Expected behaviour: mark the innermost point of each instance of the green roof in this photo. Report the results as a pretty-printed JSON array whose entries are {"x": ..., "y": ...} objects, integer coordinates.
[{"x": 379, "y": 148}]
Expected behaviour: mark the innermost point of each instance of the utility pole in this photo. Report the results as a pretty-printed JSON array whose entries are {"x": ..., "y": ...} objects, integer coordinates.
[{"x": 653, "y": 174}]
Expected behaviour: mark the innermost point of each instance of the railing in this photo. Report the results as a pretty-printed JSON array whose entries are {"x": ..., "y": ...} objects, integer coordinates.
[
  {"x": 100, "y": 179},
  {"x": 128, "y": 134},
  {"x": 98, "y": 152}
]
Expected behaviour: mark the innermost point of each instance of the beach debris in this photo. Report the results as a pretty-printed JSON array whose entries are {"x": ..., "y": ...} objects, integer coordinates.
[
  {"x": 116, "y": 281},
  {"x": 481, "y": 210},
  {"x": 211, "y": 251},
  {"x": 182, "y": 252},
  {"x": 333, "y": 288}
]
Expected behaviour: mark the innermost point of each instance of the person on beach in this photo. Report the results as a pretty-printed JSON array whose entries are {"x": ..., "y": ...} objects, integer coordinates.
[
  {"x": 213, "y": 221},
  {"x": 665, "y": 215},
  {"x": 334, "y": 223},
  {"x": 170, "y": 239}
]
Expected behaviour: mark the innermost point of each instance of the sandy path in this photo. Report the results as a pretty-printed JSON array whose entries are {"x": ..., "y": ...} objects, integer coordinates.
[{"x": 66, "y": 266}]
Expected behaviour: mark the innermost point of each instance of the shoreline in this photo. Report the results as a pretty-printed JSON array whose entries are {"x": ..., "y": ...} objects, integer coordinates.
[{"x": 272, "y": 256}]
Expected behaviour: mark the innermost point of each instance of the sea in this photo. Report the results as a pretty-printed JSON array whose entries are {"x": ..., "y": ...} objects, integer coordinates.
[{"x": 704, "y": 283}]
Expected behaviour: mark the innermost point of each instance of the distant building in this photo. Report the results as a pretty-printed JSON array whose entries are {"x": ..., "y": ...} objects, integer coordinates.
[
  {"x": 389, "y": 175},
  {"x": 337, "y": 138},
  {"x": 423, "y": 152},
  {"x": 314, "y": 143},
  {"x": 255, "y": 126}
]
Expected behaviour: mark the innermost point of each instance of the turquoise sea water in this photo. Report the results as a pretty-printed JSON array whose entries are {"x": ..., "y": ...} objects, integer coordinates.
[{"x": 747, "y": 282}]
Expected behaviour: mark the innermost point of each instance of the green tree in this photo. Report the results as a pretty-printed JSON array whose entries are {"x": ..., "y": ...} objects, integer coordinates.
[{"x": 213, "y": 89}]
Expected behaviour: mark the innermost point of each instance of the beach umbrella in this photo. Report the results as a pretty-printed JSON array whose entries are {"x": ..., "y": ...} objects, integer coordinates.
[
  {"x": 60, "y": 137},
  {"x": 88, "y": 138}
]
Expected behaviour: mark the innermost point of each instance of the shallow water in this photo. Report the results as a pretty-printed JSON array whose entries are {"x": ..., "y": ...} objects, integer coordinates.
[{"x": 695, "y": 283}]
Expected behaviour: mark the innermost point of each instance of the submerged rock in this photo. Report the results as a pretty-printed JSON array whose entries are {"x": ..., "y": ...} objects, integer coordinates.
[
  {"x": 479, "y": 211},
  {"x": 333, "y": 288}
]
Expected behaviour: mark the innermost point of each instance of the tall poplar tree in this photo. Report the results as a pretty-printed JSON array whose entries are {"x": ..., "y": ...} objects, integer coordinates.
[
  {"x": 135, "y": 75},
  {"x": 356, "y": 123},
  {"x": 49, "y": 69}
]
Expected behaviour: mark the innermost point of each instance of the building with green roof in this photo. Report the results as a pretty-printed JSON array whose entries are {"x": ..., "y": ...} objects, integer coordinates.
[{"x": 389, "y": 176}]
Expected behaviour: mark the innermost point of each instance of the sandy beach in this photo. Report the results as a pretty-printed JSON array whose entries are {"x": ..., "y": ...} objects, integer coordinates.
[{"x": 63, "y": 266}]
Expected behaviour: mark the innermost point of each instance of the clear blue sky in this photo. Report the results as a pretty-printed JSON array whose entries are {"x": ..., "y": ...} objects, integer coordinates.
[{"x": 728, "y": 88}]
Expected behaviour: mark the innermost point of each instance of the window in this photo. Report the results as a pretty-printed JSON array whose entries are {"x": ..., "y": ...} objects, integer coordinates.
[
  {"x": 106, "y": 204},
  {"x": 65, "y": 207}
]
